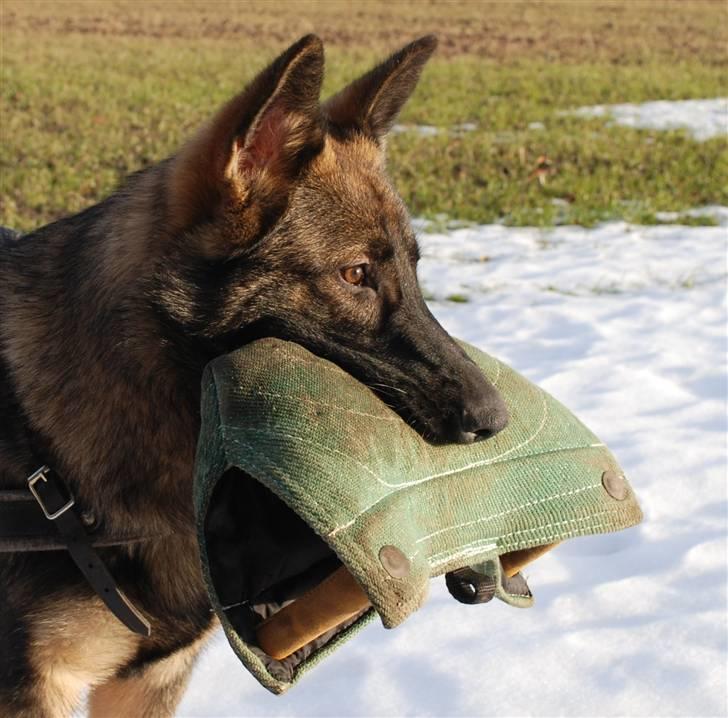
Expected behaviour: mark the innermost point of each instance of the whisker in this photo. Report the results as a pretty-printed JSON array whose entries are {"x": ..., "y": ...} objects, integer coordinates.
[{"x": 386, "y": 386}]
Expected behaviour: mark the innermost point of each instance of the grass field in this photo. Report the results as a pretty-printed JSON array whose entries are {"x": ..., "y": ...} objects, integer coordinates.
[{"x": 91, "y": 91}]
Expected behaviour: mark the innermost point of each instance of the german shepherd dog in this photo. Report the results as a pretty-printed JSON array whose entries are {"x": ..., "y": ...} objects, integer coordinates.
[{"x": 275, "y": 219}]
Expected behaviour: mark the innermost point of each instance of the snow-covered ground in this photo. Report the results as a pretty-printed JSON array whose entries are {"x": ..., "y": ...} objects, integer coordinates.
[
  {"x": 627, "y": 326},
  {"x": 701, "y": 118}
]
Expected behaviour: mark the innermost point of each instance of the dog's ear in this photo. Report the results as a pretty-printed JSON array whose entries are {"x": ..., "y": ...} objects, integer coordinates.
[
  {"x": 252, "y": 150},
  {"x": 371, "y": 103}
]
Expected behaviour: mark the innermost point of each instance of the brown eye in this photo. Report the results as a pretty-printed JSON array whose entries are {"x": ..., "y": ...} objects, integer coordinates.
[{"x": 355, "y": 275}]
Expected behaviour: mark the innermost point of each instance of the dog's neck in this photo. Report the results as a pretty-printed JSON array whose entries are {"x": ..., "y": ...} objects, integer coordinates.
[{"x": 89, "y": 366}]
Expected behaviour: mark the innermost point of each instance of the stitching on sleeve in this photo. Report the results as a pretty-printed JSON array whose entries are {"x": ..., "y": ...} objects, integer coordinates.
[{"x": 509, "y": 511}]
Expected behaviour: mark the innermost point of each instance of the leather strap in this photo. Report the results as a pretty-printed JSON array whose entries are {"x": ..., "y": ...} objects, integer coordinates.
[
  {"x": 58, "y": 507},
  {"x": 24, "y": 528}
]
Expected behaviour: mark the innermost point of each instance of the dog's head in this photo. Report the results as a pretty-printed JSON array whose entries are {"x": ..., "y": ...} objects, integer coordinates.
[{"x": 285, "y": 224}]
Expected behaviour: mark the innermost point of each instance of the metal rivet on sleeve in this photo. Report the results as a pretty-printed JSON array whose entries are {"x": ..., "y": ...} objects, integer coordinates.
[
  {"x": 394, "y": 562},
  {"x": 615, "y": 485}
]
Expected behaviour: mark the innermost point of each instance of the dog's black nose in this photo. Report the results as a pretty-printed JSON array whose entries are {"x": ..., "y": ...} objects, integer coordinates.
[{"x": 482, "y": 416}]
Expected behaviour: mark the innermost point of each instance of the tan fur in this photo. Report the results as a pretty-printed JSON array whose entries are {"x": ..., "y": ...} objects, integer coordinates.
[
  {"x": 154, "y": 694},
  {"x": 64, "y": 664}
]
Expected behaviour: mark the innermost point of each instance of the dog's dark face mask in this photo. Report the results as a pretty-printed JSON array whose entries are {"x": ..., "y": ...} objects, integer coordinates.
[
  {"x": 338, "y": 274},
  {"x": 300, "y": 236}
]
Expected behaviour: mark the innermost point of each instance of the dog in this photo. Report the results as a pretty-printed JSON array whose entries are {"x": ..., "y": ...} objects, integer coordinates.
[{"x": 276, "y": 219}]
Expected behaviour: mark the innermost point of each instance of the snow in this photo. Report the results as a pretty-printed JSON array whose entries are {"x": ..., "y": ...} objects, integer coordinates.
[
  {"x": 703, "y": 119},
  {"x": 432, "y": 130},
  {"x": 627, "y": 326}
]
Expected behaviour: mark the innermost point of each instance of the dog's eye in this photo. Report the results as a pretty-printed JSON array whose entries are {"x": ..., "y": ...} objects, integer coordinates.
[{"x": 355, "y": 275}]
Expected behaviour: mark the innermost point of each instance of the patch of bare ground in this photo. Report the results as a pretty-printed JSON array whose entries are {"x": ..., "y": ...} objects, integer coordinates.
[{"x": 619, "y": 31}]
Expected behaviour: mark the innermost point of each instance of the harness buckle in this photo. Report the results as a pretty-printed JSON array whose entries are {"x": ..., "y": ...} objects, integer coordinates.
[{"x": 42, "y": 475}]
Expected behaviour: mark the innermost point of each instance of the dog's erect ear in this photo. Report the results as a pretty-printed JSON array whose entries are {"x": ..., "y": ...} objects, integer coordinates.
[
  {"x": 371, "y": 103},
  {"x": 256, "y": 145}
]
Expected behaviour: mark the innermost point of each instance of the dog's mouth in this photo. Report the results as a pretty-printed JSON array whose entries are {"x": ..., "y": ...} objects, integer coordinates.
[
  {"x": 431, "y": 421},
  {"x": 446, "y": 400},
  {"x": 435, "y": 408},
  {"x": 403, "y": 396}
]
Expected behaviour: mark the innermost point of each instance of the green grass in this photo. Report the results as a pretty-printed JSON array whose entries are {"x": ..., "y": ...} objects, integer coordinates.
[
  {"x": 80, "y": 111},
  {"x": 600, "y": 170}
]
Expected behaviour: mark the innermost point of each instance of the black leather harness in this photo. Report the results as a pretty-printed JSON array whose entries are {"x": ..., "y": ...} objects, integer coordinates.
[{"x": 45, "y": 517}]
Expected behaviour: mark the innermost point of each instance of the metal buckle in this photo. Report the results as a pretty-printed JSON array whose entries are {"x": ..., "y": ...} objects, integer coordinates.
[{"x": 33, "y": 479}]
